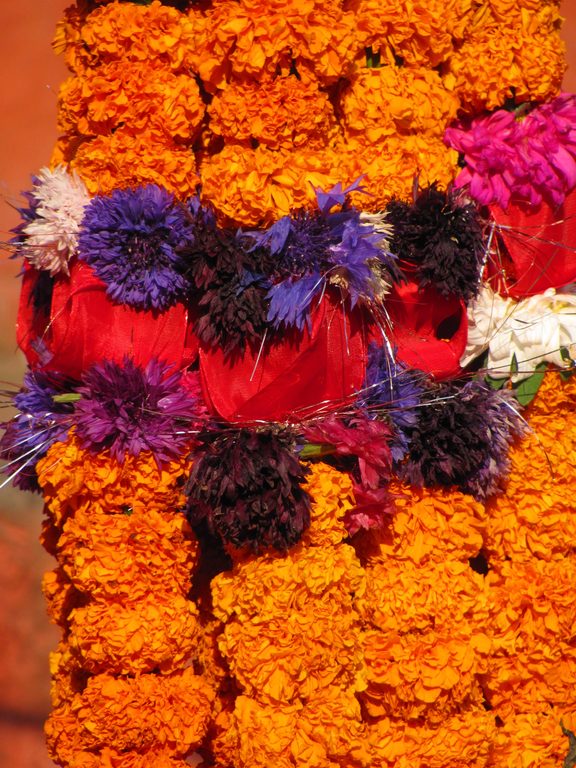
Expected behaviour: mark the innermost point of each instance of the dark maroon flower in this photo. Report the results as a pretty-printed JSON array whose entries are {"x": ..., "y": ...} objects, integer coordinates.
[
  {"x": 462, "y": 438},
  {"x": 246, "y": 486}
]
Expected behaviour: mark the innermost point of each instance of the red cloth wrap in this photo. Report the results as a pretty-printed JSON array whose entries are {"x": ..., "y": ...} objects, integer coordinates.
[
  {"x": 536, "y": 252},
  {"x": 86, "y": 327},
  {"x": 428, "y": 330},
  {"x": 293, "y": 377}
]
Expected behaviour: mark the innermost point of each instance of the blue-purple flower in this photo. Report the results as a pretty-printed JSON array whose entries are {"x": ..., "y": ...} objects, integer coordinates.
[
  {"x": 44, "y": 418},
  {"x": 133, "y": 239},
  {"x": 313, "y": 250},
  {"x": 392, "y": 390},
  {"x": 126, "y": 409}
]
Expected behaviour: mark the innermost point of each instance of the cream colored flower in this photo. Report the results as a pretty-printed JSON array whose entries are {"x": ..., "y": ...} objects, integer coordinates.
[{"x": 529, "y": 331}]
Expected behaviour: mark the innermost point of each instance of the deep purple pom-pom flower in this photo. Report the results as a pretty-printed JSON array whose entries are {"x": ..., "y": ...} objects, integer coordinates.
[
  {"x": 127, "y": 409},
  {"x": 246, "y": 485},
  {"x": 462, "y": 438},
  {"x": 42, "y": 420},
  {"x": 441, "y": 236},
  {"x": 133, "y": 239}
]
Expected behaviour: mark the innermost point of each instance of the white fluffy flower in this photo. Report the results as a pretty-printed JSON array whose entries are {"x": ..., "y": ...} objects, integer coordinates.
[
  {"x": 532, "y": 330},
  {"x": 51, "y": 237}
]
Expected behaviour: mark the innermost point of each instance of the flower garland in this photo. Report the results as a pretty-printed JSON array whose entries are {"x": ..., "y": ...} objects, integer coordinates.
[{"x": 287, "y": 287}]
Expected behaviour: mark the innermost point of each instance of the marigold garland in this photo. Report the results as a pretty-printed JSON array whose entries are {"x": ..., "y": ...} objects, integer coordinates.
[{"x": 407, "y": 626}]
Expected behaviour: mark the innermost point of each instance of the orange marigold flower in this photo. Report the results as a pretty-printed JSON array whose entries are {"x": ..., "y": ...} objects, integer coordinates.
[
  {"x": 521, "y": 57},
  {"x": 403, "y": 596},
  {"x": 153, "y": 33},
  {"x": 332, "y": 497},
  {"x": 534, "y": 515},
  {"x": 127, "y": 556},
  {"x": 419, "y": 33},
  {"x": 391, "y": 166},
  {"x": 157, "y": 632},
  {"x": 73, "y": 479},
  {"x": 292, "y": 628},
  {"x": 120, "y": 93},
  {"x": 283, "y": 113},
  {"x": 60, "y": 595},
  {"x": 68, "y": 677},
  {"x": 254, "y": 37},
  {"x": 461, "y": 741},
  {"x": 146, "y": 714},
  {"x": 533, "y": 740},
  {"x": 427, "y": 674},
  {"x": 326, "y": 730},
  {"x": 254, "y": 187},
  {"x": 129, "y": 159},
  {"x": 429, "y": 525},
  {"x": 387, "y": 101}
]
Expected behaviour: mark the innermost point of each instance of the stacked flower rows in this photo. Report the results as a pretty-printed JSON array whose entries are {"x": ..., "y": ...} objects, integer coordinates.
[{"x": 291, "y": 277}]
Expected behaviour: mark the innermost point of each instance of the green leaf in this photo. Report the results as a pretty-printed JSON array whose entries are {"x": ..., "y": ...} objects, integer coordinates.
[
  {"x": 67, "y": 397},
  {"x": 495, "y": 383},
  {"x": 526, "y": 390},
  {"x": 514, "y": 364},
  {"x": 316, "y": 450}
]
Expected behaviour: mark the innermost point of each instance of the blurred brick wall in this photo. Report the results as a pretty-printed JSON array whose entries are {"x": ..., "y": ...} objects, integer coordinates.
[{"x": 30, "y": 78}]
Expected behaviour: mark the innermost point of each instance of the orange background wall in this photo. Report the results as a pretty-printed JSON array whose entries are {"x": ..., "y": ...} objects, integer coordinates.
[{"x": 29, "y": 80}]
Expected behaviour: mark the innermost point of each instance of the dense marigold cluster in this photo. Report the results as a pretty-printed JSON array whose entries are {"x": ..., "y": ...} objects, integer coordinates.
[
  {"x": 265, "y": 102},
  {"x": 122, "y": 675}
]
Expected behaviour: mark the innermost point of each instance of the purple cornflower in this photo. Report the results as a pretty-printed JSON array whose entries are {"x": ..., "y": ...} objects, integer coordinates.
[
  {"x": 127, "y": 409},
  {"x": 42, "y": 420},
  {"x": 133, "y": 240},
  {"x": 462, "y": 438},
  {"x": 324, "y": 247},
  {"x": 392, "y": 390}
]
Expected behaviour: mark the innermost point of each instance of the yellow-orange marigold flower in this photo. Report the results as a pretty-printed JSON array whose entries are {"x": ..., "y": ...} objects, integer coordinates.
[
  {"x": 125, "y": 557},
  {"x": 403, "y": 596},
  {"x": 391, "y": 166},
  {"x": 534, "y": 516},
  {"x": 533, "y": 740},
  {"x": 120, "y": 93},
  {"x": 129, "y": 159},
  {"x": 387, "y": 101},
  {"x": 460, "y": 741},
  {"x": 521, "y": 57},
  {"x": 157, "y": 632},
  {"x": 332, "y": 497},
  {"x": 419, "y": 33},
  {"x": 327, "y": 730},
  {"x": 254, "y": 187},
  {"x": 249, "y": 39},
  {"x": 291, "y": 627},
  {"x": 429, "y": 524},
  {"x": 73, "y": 479},
  {"x": 153, "y": 33},
  {"x": 68, "y": 677},
  {"x": 283, "y": 113},
  {"x": 426, "y": 674},
  {"x": 60, "y": 595},
  {"x": 146, "y": 713}
]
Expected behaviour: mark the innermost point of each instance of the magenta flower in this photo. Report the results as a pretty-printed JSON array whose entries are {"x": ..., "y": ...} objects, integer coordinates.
[{"x": 520, "y": 159}]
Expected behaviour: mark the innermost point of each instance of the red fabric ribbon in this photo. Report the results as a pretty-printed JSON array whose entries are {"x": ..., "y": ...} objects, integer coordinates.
[
  {"x": 534, "y": 248},
  {"x": 294, "y": 377},
  {"x": 86, "y": 327},
  {"x": 428, "y": 330}
]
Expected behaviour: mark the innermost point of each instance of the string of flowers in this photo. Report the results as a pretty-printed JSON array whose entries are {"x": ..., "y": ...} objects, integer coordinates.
[{"x": 297, "y": 307}]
